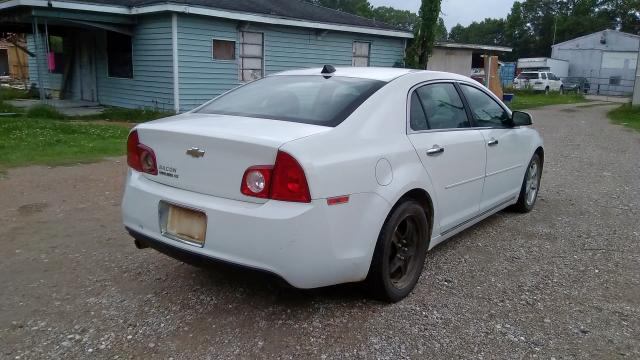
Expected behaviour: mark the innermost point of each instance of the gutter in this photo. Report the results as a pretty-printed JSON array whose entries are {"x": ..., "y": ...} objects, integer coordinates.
[{"x": 187, "y": 9}]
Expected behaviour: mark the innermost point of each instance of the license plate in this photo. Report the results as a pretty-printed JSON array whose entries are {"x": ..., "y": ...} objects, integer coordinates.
[{"x": 183, "y": 224}]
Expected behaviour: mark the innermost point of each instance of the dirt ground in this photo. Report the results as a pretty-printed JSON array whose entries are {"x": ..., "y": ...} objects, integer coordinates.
[{"x": 561, "y": 282}]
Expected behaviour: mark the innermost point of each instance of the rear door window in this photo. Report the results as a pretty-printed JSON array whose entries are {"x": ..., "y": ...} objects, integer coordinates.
[
  {"x": 544, "y": 76},
  {"x": 443, "y": 108},
  {"x": 486, "y": 111}
]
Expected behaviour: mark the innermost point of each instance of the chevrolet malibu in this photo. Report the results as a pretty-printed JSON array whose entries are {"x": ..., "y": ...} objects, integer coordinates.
[{"x": 327, "y": 176}]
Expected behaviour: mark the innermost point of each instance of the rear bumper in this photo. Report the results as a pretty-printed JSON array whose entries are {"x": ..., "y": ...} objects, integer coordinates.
[{"x": 308, "y": 245}]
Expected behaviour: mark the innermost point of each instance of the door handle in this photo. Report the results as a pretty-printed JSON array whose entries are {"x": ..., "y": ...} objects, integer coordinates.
[
  {"x": 435, "y": 150},
  {"x": 492, "y": 142}
]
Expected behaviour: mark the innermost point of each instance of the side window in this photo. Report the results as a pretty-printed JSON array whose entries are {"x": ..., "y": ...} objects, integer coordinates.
[
  {"x": 442, "y": 106},
  {"x": 417, "y": 119},
  {"x": 485, "y": 110},
  {"x": 544, "y": 76}
]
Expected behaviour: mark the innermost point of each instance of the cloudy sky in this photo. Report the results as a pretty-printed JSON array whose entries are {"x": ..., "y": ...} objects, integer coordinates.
[{"x": 457, "y": 11}]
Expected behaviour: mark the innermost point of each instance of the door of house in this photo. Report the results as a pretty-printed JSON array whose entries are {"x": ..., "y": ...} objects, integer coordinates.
[
  {"x": 4, "y": 62},
  {"x": 87, "y": 66}
]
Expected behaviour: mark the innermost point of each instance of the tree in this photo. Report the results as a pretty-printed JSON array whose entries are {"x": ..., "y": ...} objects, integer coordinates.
[
  {"x": 424, "y": 35},
  {"x": 403, "y": 19}
]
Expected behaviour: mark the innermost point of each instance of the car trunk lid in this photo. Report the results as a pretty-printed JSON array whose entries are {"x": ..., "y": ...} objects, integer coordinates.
[{"x": 208, "y": 153}]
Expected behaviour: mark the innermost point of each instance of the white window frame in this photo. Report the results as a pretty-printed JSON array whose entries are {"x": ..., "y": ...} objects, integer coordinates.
[
  {"x": 353, "y": 52},
  {"x": 241, "y": 56}
]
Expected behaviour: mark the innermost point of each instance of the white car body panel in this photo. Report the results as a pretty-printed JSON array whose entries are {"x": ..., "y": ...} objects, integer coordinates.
[{"x": 371, "y": 157}]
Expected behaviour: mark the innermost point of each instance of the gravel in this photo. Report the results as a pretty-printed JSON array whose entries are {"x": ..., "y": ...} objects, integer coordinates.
[{"x": 561, "y": 282}]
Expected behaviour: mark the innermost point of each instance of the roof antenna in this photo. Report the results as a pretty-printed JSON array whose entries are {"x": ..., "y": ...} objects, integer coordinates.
[{"x": 328, "y": 69}]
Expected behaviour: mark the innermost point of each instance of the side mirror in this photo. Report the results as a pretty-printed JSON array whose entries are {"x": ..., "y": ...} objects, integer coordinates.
[{"x": 520, "y": 118}]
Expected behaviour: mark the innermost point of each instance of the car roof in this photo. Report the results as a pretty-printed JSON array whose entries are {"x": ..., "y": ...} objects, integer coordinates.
[{"x": 373, "y": 73}]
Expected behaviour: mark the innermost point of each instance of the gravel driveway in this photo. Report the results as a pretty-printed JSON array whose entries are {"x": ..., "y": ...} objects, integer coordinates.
[{"x": 562, "y": 281}]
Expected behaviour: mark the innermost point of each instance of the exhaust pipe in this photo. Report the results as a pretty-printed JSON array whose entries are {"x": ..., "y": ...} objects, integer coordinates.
[{"x": 140, "y": 244}]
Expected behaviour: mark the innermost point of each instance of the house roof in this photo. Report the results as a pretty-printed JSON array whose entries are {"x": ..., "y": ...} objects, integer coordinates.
[
  {"x": 474, "y": 47},
  {"x": 266, "y": 11},
  {"x": 606, "y": 31}
]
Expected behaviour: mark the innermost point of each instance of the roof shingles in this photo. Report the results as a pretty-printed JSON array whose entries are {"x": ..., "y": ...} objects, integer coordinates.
[{"x": 291, "y": 9}]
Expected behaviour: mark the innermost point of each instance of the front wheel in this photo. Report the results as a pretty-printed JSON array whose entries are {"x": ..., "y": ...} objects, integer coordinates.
[
  {"x": 546, "y": 90},
  {"x": 530, "y": 186},
  {"x": 399, "y": 255},
  {"x": 561, "y": 90}
]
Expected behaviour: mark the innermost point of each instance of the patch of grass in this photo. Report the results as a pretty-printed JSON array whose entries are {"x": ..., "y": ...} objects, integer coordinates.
[
  {"x": 49, "y": 142},
  {"x": 530, "y": 100},
  {"x": 127, "y": 115},
  {"x": 9, "y": 93},
  {"x": 7, "y": 108},
  {"x": 42, "y": 111},
  {"x": 626, "y": 115}
]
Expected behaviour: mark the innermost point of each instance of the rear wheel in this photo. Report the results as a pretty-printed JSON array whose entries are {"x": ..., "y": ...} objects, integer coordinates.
[
  {"x": 561, "y": 90},
  {"x": 530, "y": 186},
  {"x": 399, "y": 255},
  {"x": 546, "y": 90}
]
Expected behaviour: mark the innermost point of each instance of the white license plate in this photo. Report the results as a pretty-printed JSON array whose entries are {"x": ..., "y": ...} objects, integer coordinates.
[{"x": 183, "y": 224}]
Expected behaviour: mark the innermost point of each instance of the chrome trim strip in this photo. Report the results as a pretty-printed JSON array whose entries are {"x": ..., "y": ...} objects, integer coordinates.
[
  {"x": 504, "y": 170},
  {"x": 464, "y": 182}
]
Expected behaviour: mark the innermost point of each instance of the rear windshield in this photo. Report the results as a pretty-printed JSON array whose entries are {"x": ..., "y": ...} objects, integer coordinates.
[
  {"x": 528, "y": 76},
  {"x": 305, "y": 99}
]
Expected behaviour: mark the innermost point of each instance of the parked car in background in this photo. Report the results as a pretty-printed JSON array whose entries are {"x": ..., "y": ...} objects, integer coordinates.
[
  {"x": 330, "y": 176},
  {"x": 577, "y": 84},
  {"x": 538, "y": 81}
]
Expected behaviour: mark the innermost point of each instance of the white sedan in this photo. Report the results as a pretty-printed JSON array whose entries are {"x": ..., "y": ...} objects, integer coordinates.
[{"x": 327, "y": 176}]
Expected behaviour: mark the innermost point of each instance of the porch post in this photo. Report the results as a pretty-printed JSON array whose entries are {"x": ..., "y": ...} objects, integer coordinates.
[
  {"x": 176, "y": 68},
  {"x": 36, "y": 35}
]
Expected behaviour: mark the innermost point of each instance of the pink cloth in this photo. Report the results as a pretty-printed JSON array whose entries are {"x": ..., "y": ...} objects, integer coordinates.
[{"x": 51, "y": 60}]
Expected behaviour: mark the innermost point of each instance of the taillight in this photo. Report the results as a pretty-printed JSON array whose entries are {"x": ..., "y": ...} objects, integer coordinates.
[
  {"x": 284, "y": 181},
  {"x": 139, "y": 156},
  {"x": 256, "y": 181}
]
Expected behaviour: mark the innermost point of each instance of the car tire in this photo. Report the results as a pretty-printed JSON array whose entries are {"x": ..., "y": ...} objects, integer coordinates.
[
  {"x": 561, "y": 90},
  {"x": 546, "y": 90},
  {"x": 530, "y": 183},
  {"x": 398, "y": 258}
]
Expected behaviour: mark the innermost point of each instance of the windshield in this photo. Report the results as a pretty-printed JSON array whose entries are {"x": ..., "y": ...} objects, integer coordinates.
[
  {"x": 528, "y": 76},
  {"x": 305, "y": 99}
]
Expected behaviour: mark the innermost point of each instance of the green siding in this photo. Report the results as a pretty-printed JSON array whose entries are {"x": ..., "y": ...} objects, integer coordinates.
[
  {"x": 51, "y": 81},
  {"x": 285, "y": 48},
  {"x": 152, "y": 83}
]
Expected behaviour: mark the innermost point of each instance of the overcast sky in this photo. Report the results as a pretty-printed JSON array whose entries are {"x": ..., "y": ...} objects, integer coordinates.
[{"x": 457, "y": 11}]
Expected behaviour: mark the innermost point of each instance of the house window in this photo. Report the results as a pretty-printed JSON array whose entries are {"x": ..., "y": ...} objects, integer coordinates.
[
  {"x": 361, "y": 53},
  {"x": 251, "y": 56},
  {"x": 119, "y": 55},
  {"x": 615, "y": 80},
  {"x": 224, "y": 49},
  {"x": 55, "y": 58}
]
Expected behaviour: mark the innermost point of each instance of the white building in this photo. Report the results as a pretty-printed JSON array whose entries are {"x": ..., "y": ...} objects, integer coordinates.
[{"x": 607, "y": 58}]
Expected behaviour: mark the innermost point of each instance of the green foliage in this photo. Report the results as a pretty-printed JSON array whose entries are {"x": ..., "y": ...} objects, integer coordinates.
[
  {"x": 486, "y": 32},
  {"x": 403, "y": 19},
  {"x": 127, "y": 115},
  {"x": 626, "y": 115},
  {"x": 529, "y": 100},
  {"x": 42, "y": 111},
  {"x": 424, "y": 35},
  {"x": 533, "y": 26},
  {"x": 9, "y": 93},
  {"x": 7, "y": 108},
  {"x": 48, "y": 142}
]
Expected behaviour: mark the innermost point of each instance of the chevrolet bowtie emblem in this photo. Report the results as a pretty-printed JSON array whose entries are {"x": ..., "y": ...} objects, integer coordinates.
[{"x": 195, "y": 152}]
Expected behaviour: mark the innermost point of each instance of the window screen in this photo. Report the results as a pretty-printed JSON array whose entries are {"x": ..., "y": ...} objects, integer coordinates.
[
  {"x": 251, "y": 56},
  {"x": 119, "y": 55},
  {"x": 224, "y": 49},
  {"x": 442, "y": 106},
  {"x": 361, "y": 53}
]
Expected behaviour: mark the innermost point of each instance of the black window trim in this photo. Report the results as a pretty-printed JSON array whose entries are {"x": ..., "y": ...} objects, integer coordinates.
[
  {"x": 491, "y": 96},
  {"x": 456, "y": 83}
]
